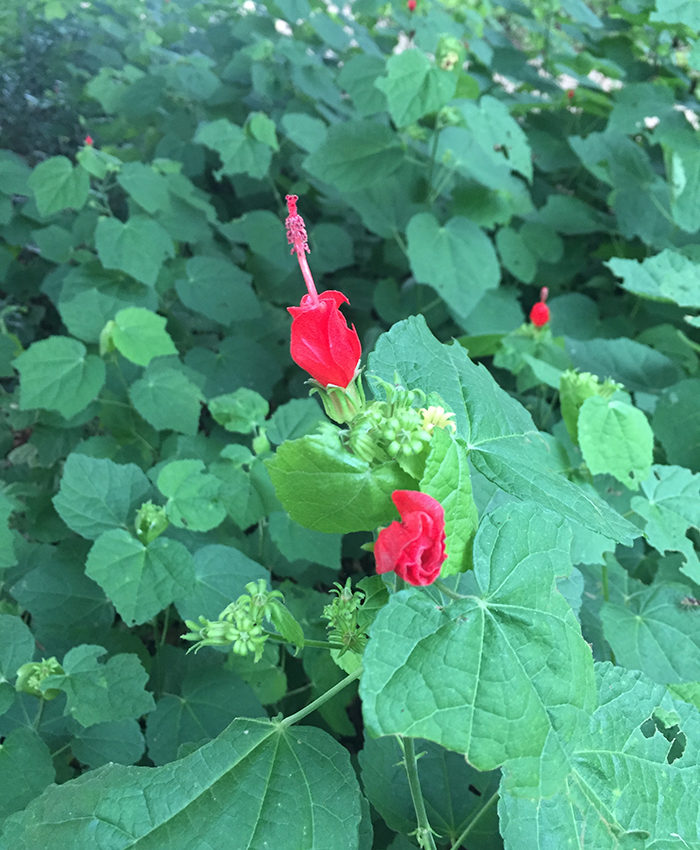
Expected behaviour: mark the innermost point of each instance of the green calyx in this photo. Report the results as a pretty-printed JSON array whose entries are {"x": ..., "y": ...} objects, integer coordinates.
[
  {"x": 342, "y": 404},
  {"x": 31, "y": 675},
  {"x": 342, "y": 615}
]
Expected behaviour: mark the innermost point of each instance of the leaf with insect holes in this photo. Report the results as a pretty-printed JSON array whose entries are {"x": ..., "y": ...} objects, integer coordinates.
[
  {"x": 670, "y": 507},
  {"x": 632, "y": 780}
]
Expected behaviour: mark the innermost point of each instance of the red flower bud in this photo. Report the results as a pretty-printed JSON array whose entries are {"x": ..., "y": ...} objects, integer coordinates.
[
  {"x": 539, "y": 315},
  {"x": 411, "y": 5},
  {"x": 570, "y": 94},
  {"x": 321, "y": 342},
  {"x": 415, "y": 547},
  {"x": 89, "y": 141}
]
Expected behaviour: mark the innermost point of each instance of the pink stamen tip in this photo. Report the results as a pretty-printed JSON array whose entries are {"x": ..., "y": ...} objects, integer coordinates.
[
  {"x": 296, "y": 229},
  {"x": 544, "y": 293}
]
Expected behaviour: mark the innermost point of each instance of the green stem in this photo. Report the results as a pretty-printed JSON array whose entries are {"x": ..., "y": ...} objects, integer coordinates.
[
  {"x": 60, "y": 750},
  {"x": 473, "y": 822},
  {"x": 317, "y": 703},
  {"x": 319, "y": 644},
  {"x": 431, "y": 164},
  {"x": 424, "y": 833},
  {"x": 37, "y": 719},
  {"x": 604, "y": 576},
  {"x": 166, "y": 623},
  {"x": 443, "y": 588}
]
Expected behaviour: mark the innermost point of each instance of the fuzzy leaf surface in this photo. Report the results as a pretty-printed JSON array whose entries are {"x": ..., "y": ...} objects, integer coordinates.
[{"x": 197, "y": 800}]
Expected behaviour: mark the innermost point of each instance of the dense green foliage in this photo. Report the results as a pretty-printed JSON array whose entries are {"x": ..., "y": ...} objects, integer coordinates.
[{"x": 162, "y": 459}]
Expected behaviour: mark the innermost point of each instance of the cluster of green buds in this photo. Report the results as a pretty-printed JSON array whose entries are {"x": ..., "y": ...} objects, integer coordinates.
[
  {"x": 450, "y": 53},
  {"x": 575, "y": 388},
  {"x": 31, "y": 675},
  {"x": 396, "y": 429},
  {"x": 342, "y": 615},
  {"x": 239, "y": 625}
]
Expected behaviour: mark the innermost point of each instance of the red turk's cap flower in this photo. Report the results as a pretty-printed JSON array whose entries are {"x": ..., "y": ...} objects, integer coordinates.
[
  {"x": 321, "y": 342},
  {"x": 570, "y": 94},
  {"x": 413, "y": 548},
  {"x": 411, "y": 5},
  {"x": 89, "y": 141},
  {"x": 539, "y": 315}
]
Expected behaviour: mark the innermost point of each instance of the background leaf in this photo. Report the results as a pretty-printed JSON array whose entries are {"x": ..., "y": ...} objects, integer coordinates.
[
  {"x": 138, "y": 246},
  {"x": 457, "y": 259},
  {"x": 140, "y": 335},
  {"x": 57, "y": 184},
  {"x": 325, "y": 488},
  {"x": 98, "y": 495},
  {"x": 98, "y": 692},
  {"x": 140, "y": 580},
  {"x": 413, "y": 87},
  {"x": 25, "y": 770},
  {"x": 192, "y": 495},
  {"x": 58, "y": 374},
  {"x": 616, "y": 439}
]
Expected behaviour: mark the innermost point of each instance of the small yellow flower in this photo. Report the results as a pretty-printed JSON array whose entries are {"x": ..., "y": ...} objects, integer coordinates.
[{"x": 436, "y": 417}]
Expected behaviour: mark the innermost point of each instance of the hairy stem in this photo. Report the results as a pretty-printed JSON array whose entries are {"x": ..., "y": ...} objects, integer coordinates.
[
  {"x": 317, "y": 703},
  {"x": 443, "y": 588},
  {"x": 424, "y": 833},
  {"x": 319, "y": 644}
]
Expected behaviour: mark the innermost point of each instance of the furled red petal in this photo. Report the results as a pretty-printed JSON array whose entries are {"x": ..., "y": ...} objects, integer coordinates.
[
  {"x": 414, "y": 500},
  {"x": 415, "y": 547},
  {"x": 321, "y": 342}
]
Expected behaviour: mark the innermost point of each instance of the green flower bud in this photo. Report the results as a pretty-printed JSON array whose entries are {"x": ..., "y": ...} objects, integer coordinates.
[
  {"x": 151, "y": 521},
  {"x": 31, "y": 675},
  {"x": 107, "y": 338},
  {"x": 261, "y": 445},
  {"x": 450, "y": 53}
]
